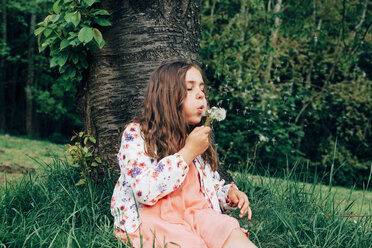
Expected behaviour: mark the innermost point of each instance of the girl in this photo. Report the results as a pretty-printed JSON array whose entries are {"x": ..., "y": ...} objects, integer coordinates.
[{"x": 169, "y": 191}]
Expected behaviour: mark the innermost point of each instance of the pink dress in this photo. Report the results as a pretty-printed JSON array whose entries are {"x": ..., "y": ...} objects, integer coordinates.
[{"x": 183, "y": 218}]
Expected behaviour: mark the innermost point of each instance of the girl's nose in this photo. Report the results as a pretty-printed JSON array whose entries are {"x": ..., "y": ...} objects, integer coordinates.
[{"x": 200, "y": 94}]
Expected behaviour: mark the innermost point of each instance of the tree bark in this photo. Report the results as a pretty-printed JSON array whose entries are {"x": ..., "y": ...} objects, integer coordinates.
[
  {"x": 30, "y": 78},
  {"x": 143, "y": 34},
  {"x": 2, "y": 64}
]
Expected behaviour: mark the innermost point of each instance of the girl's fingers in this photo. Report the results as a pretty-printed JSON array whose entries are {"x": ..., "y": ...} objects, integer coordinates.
[
  {"x": 197, "y": 129},
  {"x": 244, "y": 209},
  {"x": 206, "y": 130},
  {"x": 243, "y": 204},
  {"x": 234, "y": 199},
  {"x": 241, "y": 199},
  {"x": 249, "y": 213}
]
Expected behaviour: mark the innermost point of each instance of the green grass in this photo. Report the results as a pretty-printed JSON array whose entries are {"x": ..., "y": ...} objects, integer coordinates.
[
  {"x": 359, "y": 202},
  {"x": 15, "y": 153},
  {"x": 290, "y": 213},
  {"x": 46, "y": 209}
]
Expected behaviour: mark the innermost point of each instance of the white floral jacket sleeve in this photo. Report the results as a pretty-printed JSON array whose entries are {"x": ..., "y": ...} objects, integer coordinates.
[{"x": 144, "y": 180}]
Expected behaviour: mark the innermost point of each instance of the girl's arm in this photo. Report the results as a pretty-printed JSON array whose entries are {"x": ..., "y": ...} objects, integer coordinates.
[
  {"x": 149, "y": 179},
  {"x": 222, "y": 191}
]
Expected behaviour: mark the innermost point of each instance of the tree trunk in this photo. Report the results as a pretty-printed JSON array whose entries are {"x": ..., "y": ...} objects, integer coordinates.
[
  {"x": 2, "y": 63},
  {"x": 274, "y": 37},
  {"x": 30, "y": 79},
  {"x": 143, "y": 34}
]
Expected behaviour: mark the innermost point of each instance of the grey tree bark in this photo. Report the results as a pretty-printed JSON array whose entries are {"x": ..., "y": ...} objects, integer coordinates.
[{"x": 143, "y": 34}]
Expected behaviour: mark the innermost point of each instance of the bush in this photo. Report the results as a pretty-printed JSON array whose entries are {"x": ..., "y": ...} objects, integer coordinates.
[{"x": 290, "y": 96}]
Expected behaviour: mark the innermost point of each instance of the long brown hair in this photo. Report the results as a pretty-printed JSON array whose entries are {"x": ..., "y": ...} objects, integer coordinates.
[{"x": 163, "y": 125}]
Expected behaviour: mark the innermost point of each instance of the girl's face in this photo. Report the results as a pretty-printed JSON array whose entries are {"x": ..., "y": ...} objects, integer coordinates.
[{"x": 195, "y": 104}]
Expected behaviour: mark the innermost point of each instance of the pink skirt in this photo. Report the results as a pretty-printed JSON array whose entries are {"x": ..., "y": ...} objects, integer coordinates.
[{"x": 182, "y": 219}]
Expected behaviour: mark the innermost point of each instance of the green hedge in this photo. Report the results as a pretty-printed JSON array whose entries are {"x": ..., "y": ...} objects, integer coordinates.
[{"x": 296, "y": 89}]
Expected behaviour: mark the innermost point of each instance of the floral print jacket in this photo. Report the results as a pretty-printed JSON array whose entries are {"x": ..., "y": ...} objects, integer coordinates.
[{"x": 144, "y": 180}]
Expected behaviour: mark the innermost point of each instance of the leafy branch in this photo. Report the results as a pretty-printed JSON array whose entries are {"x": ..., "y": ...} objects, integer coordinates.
[{"x": 70, "y": 31}]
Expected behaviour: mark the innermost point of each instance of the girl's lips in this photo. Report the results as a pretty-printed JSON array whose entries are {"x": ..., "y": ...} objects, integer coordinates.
[{"x": 201, "y": 109}]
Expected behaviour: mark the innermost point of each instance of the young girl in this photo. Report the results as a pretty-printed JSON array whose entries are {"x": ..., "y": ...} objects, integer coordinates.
[{"x": 169, "y": 191}]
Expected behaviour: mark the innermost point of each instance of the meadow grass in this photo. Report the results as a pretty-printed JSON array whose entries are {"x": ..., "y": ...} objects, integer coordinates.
[
  {"x": 358, "y": 202},
  {"x": 290, "y": 213},
  {"x": 15, "y": 153},
  {"x": 46, "y": 209}
]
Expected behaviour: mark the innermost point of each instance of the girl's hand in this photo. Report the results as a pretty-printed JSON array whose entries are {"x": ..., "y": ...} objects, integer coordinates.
[
  {"x": 196, "y": 143},
  {"x": 241, "y": 199}
]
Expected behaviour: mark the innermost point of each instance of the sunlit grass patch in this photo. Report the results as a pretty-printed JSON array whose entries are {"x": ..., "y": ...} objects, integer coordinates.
[{"x": 19, "y": 156}]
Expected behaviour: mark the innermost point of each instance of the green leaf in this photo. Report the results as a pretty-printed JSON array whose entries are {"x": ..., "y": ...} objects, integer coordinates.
[
  {"x": 71, "y": 35},
  {"x": 62, "y": 59},
  {"x": 98, "y": 159},
  {"x": 39, "y": 30},
  {"x": 62, "y": 69},
  {"x": 94, "y": 164},
  {"x": 75, "y": 42},
  {"x": 70, "y": 72},
  {"x": 64, "y": 44},
  {"x": 75, "y": 59},
  {"x": 97, "y": 36},
  {"x": 85, "y": 34},
  {"x": 75, "y": 18},
  {"x": 57, "y": 7},
  {"x": 43, "y": 46},
  {"x": 100, "y": 45},
  {"x": 103, "y": 21},
  {"x": 53, "y": 62},
  {"x": 46, "y": 20},
  {"x": 88, "y": 154},
  {"x": 47, "y": 32},
  {"x": 84, "y": 63},
  {"x": 90, "y": 2},
  {"x": 85, "y": 149},
  {"x": 68, "y": 17},
  {"x": 85, "y": 140},
  {"x": 92, "y": 139},
  {"x": 101, "y": 12},
  {"x": 54, "y": 18}
]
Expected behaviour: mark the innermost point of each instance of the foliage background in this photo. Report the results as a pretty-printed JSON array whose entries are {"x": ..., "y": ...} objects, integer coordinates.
[
  {"x": 295, "y": 78},
  {"x": 293, "y": 75}
]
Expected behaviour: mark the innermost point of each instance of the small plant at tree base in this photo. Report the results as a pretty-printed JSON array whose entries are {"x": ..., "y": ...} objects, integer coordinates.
[
  {"x": 70, "y": 31},
  {"x": 82, "y": 155}
]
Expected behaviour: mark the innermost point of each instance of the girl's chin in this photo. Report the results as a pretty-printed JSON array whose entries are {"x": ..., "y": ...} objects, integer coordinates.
[{"x": 195, "y": 121}]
